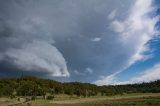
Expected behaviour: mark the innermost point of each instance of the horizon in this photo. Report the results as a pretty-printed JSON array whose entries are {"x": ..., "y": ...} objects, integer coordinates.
[
  {"x": 40, "y": 78},
  {"x": 105, "y": 42}
]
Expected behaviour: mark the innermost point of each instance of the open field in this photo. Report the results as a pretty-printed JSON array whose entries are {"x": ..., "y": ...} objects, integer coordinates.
[
  {"x": 147, "y": 99},
  {"x": 143, "y": 101},
  {"x": 124, "y": 100}
]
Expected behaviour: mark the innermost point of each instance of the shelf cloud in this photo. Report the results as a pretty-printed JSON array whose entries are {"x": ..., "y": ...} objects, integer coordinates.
[{"x": 75, "y": 40}]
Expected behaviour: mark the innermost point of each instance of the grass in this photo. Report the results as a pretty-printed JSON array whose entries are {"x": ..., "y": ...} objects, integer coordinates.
[
  {"x": 119, "y": 100},
  {"x": 4, "y": 101},
  {"x": 65, "y": 97},
  {"x": 124, "y": 100},
  {"x": 147, "y": 101},
  {"x": 140, "y": 101}
]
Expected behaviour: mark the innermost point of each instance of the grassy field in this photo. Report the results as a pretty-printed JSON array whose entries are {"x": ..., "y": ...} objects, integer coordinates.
[
  {"x": 146, "y": 101},
  {"x": 119, "y": 100}
]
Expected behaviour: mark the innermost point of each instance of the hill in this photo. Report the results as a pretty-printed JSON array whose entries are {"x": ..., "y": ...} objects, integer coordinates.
[{"x": 33, "y": 86}]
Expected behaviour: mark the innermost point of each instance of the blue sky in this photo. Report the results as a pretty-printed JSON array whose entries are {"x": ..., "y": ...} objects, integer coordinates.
[
  {"x": 141, "y": 66},
  {"x": 138, "y": 69},
  {"x": 101, "y": 42}
]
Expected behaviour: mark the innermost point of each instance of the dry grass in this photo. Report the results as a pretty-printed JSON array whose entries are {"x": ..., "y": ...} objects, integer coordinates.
[{"x": 149, "y": 99}]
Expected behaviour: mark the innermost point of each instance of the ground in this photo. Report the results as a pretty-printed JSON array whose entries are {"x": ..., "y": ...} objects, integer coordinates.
[{"x": 147, "y": 99}]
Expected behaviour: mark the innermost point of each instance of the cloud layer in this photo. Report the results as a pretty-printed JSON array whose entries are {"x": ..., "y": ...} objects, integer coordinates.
[
  {"x": 54, "y": 38},
  {"x": 135, "y": 31},
  {"x": 26, "y": 41},
  {"x": 40, "y": 36}
]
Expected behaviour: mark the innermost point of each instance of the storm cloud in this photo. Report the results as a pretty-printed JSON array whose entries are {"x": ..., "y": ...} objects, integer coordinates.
[{"x": 54, "y": 38}]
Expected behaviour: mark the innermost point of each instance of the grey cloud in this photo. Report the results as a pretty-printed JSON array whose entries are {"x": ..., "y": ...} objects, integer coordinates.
[
  {"x": 34, "y": 56},
  {"x": 64, "y": 30}
]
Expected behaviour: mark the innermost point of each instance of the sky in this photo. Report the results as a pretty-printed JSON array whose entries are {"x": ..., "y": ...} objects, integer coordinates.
[{"x": 97, "y": 41}]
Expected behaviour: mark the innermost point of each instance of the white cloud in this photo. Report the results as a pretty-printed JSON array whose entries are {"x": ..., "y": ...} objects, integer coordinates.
[
  {"x": 148, "y": 75},
  {"x": 111, "y": 79},
  {"x": 135, "y": 31},
  {"x": 117, "y": 26},
  {"x": 139, "y": 27},
  {"x": 112, "y": 14},
  {"x": 78, "y": 73},
  {"x": 151, "y": 74},
  {"x": 89, "y": 70},
  {"x": 101, "y": 76},
  {"x": 96, "y": 39},
  {"x": 39, "y": 56}
]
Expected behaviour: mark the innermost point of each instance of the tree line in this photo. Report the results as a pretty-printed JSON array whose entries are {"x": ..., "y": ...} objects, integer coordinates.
[{"x": 32, "y": 86}]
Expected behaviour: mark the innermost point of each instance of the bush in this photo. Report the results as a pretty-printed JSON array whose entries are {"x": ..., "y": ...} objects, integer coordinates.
[
  {"x": 18, "y": 99},
  {"x": 50, "y": 97},
  {"x": 33, "y": 97},
  {"x": 12, "y": 96}
]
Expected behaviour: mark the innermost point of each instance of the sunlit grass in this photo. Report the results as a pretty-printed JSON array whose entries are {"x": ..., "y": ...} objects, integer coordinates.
[
  {"x": 109, "y": 101},
  {"x": 147, "y": 99}
]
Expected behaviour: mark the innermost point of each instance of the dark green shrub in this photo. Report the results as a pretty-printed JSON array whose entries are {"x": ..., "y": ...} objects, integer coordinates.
[
  {"x": 51, "y": 97},
  {"x": 33, "y": 97}
]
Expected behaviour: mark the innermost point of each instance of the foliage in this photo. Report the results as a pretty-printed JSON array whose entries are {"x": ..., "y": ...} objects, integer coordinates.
[
  {"x": 50, "y": 97},
  {"x": 32, "y": 86}
]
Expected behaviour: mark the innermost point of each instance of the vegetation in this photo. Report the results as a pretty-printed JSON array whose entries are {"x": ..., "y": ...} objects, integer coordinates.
[
  {"x": 44, "y": 92},
  {"x": 130, "y": 101},
  {"x": 32, "y": 86}
]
